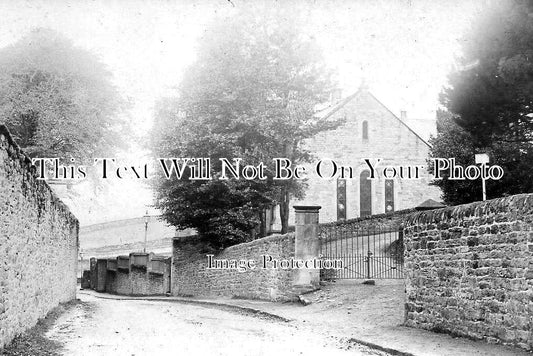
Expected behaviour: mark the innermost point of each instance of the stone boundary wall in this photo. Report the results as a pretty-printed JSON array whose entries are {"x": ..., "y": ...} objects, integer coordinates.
[
  {"x": 38, "y": 244},
  {"x": 191, "y": 278},
  {"x": 389, "y": 221},
  {"x": 469, "y": 270},
  {"x": 135, "y": 274}
]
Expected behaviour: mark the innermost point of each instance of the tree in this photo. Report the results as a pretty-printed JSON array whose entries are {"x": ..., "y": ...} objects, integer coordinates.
[
  {"x": 491, "y": 99},
  {"x": 454, "y": 141},
  {"x": 223, "y": 212},
  {"x": 251, "y": 93},
  {"x": 57, "y": 99}
]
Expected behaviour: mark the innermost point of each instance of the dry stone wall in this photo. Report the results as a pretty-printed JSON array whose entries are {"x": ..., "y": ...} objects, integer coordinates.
[
  {"x": 191, "y": 278},
  {"x": 469, "y": 270},
  {"x": 388, "y": 221},
  {"x": 38, "y": 244}
]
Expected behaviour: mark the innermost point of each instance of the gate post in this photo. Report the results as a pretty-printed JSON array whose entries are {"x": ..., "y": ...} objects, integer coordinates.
[
  {"x": 101, "y": 274},
  {"x": 307, "y": 245},
  {"x": 92, "y": 264}
]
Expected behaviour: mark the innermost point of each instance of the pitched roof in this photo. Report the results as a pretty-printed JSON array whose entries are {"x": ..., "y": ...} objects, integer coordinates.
[
  {"x": 334, "y": 108},
  {"x": 430, "y": 204}
]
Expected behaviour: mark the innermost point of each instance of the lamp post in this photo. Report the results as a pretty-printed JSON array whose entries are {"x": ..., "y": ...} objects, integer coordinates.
[
  {"x": 146, "y": 219},
  {"x": 483, "y": 159}
]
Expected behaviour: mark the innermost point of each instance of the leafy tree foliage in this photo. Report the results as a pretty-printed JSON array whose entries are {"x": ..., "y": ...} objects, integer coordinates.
[
  {"x": 251, "y": 93},
  {"x": 57, "y": 99},
  {"x": 452, "y": 141},
  {"x": 491, "y": 99}
]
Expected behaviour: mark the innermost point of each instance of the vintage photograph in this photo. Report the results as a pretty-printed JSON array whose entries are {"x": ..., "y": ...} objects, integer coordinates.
[{"x": 262, "y": 177}]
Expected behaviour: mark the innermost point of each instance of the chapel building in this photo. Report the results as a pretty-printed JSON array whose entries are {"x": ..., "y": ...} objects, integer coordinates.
[{"x": 370, "y": 131}]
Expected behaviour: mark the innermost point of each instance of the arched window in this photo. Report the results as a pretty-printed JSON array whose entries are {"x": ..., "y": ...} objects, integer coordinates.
[
  {"x": 341, "y": 199},
  {"x": 365, "y": 130},
  {"x": 389, "y": 195},
  {"x": 365, "y": 194}
]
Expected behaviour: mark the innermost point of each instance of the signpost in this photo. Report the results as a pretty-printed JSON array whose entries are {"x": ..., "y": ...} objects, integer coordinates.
[{"x": 483, "y": 159}]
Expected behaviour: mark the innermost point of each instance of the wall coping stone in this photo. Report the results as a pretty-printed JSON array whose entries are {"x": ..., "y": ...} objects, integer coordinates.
[
  {"x": 475, "y": 209},
  {"x": 370, "y": 217},
  {"x": 194, "y": 239},
  {"x": 185, "y": 238},
  {"x": 18, "y": 154}
]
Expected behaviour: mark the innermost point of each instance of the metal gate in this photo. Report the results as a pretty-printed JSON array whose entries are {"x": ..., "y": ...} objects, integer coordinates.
[{"x": 366, "y": 252}]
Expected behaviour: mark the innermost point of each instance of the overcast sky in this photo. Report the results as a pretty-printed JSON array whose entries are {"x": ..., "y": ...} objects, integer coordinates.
[{"x": 402, "y": 49}]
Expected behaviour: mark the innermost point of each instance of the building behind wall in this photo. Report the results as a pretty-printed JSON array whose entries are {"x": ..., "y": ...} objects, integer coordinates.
[{"x": 370, "y": 131}]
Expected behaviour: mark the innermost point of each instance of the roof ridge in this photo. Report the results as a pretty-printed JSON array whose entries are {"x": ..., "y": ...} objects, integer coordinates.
[
  {"x": 397, "y": 118},
  {"x": 349, "y": 98}
]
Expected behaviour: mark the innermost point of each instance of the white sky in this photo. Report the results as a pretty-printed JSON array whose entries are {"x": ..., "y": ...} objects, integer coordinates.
[{"x": 403, "y": 49}]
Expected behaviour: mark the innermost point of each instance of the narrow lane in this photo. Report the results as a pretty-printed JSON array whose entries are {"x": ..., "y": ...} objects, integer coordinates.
[{"x": 128, "y": 327}]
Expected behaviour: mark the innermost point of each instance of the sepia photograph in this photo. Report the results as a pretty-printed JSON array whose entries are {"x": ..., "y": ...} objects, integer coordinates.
[{"x": 266, "y": 177}]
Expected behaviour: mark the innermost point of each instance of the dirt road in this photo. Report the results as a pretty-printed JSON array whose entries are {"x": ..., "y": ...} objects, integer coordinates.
[{"x": 128, "y": 327}]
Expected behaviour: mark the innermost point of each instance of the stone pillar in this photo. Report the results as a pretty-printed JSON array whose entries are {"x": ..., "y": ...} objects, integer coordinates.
[
  {"x": 307, "y": 245},
  {"x": 86, "y": 280},
  {"x": 101, "y": 274},
  {"x": 92, "y": 266}
]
